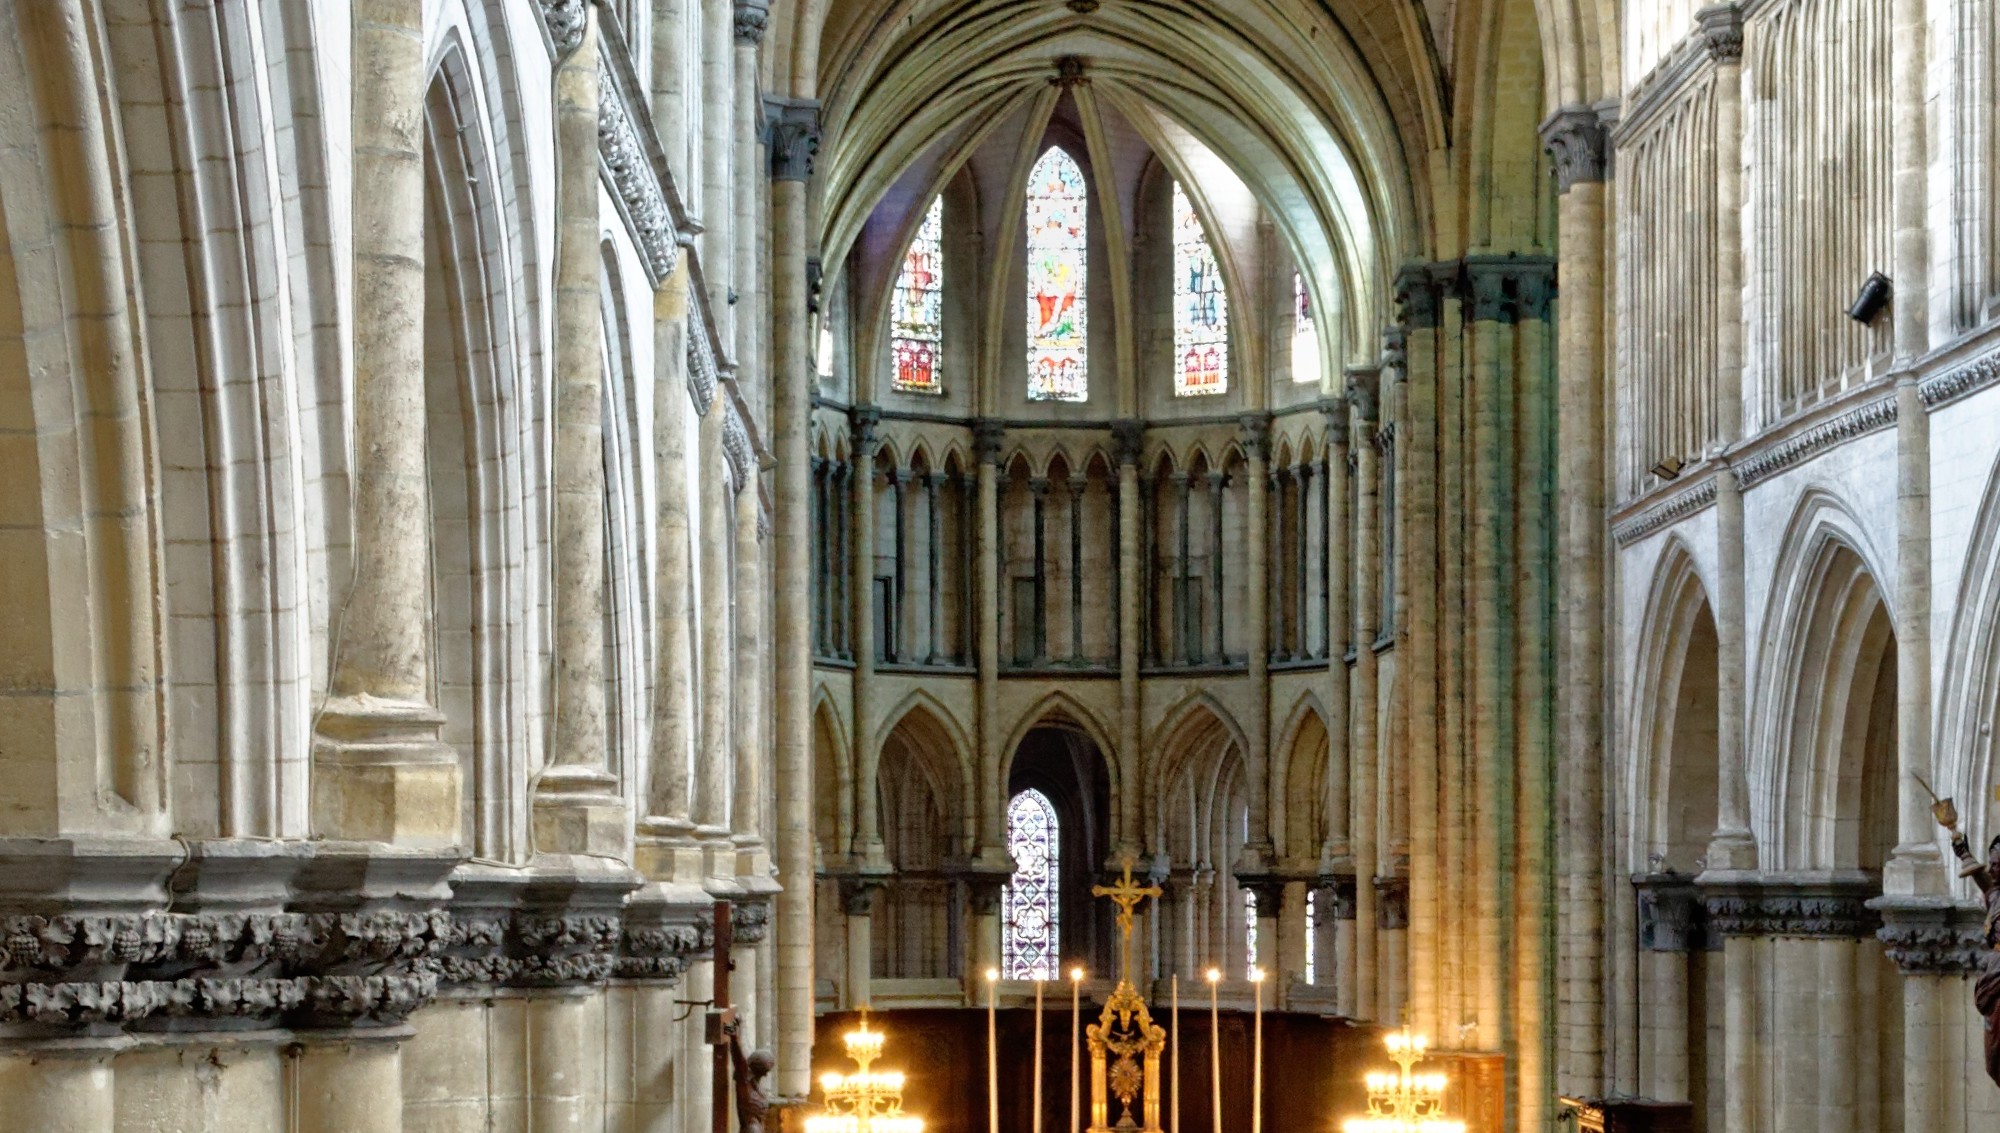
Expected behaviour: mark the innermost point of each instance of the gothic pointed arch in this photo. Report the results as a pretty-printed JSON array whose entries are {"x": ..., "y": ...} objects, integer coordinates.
[
  {"x": 1671, "y": 769},
  {"x": 1968, "y": 697}
]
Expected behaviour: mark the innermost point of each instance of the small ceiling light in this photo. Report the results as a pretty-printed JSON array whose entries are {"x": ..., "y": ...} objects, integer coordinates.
[
  {"x": 1873, "y": 297},
  {"x": 1669, "y": 468}
]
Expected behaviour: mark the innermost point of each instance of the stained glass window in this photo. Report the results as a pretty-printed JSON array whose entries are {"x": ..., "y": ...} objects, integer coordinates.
[
  {"x": 1305, "y": 338},
  {"x": 919, "y": 315},
  {"x": 1201, "y": 307},
  {"x": 1058, "y": 314},
  {"x": 1031, "y": 946}
]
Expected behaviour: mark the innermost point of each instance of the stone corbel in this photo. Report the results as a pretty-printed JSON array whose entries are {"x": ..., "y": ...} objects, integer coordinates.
[
  {"x": 1364, "y": 394},
  {"x": 662, "y": 934},
  {"x": 1933, "y": 936},
  {"x": 1721, "y": 31},
  {"x": 1392, "y": 903},
  {"x": 791, "y": 130}
]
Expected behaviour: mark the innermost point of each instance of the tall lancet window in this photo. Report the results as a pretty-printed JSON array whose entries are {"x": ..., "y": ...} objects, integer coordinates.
[
  {"x": 1201, "y": 307},
  {"x": 1305, "y": 337},
  {"x": 1058, "y": 312},
  {"x": 919, "y": 314},
  {"x": 1031, "y": 947}
]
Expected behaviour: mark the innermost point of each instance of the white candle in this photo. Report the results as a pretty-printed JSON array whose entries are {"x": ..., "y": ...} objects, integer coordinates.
[
  {"x": 1257, "y": 1052},
  {"x": 1038, "y": 1057},
  {"x": 1076, "y": 1050},
  {"x": 1174, "y": 1081},
  {"x": 992, "y": 1051},
  {"x": 1215, "y": 1050}
]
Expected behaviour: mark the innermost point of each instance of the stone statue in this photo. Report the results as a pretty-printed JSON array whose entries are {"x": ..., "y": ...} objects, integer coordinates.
[
  {"x": 1986, "y": 992},
  {"x": 752, "y": 1102}
]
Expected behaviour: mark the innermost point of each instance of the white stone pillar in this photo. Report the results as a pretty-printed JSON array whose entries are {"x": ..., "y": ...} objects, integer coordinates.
[
  {"x": 1578, "y": 147},
  {"x": 344, "y": 1084},
  {"x": 668, "y": 822},
  {"x": 714, "y": 757},
  {"x": 60, "y": 1092},
  {"x": 794, "y": 129},
  {"x": 380, "y": 772}
]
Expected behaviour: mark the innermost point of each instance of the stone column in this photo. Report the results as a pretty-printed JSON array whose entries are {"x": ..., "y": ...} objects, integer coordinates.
[
  {"x": 1733, "y": 847},
  {"x": 899, "y": 482},
  {"x": 1578, "y": 147},
  {"x": 1290, "y": 961},
  {"x": 749, "y": 585},
  {"x": 968, "y": 569},
  {"x": 1128, "y": 438},
  {"x": 350, "y": 1083},
  {"x": 822, "y": 525},
  {"x": 717, "y": 205},
  {"x": 577, "y": 804},
  {"x": 1670, "y": 930},
  {"x": 794, "y": 127},
  {"x": 713, "y": 755},
  {"x": 1183, "y": 652},
  {"x": 1217, "y": 481},
  {"x": 380, "y": 772},
  {"x": 1302, "y": 574},
  {"x": 992, "y": 858},
  {"x": 840, "y": 523},
  {"x": 1417, "y": 653},
  {"x": 668, "y": 820},
  {"x": 72, "y": 1091},
  {"x": 1038, "y": 488},
  {"x": 865, "y": 443},
  {"x": 1078, "y": 483},
  {"x": 1256, "y": 433},
  {"x": 1363, "y": 794},
  {"x": 933, "y": 483},
  {"x": 857, "y": 904},
  {"x": 1347, "y": 970}
]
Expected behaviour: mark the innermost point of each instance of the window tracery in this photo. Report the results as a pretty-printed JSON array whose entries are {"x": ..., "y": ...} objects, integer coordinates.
[
  {"x": 1201, "y": 307},
  {"x": 1058, "y": 313},
  {"x": 918, "y": 327},
  {"x": 1029, "y": 913}
]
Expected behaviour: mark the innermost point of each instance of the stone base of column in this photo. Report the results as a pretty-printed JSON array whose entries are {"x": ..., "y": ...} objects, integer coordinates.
[
  {"x": 1732, "y": 850},
  {"x": 666, "y": 851},
  {"x": 578, "y": 811},
  {"x": 1915, "y": 871},
  {"x": 380, "y": 774}
]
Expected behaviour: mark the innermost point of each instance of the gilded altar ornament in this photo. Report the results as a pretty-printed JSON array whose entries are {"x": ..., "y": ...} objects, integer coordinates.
[
  {"x": 1125, "y": 1043},
  {"x": 868, "y": 1100},
  {"x": 1405, "y": 1101}
]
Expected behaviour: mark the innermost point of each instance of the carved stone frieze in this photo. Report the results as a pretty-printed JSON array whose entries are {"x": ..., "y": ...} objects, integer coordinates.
[
  {"x": 1929, "y": 936},
  {"x": 1664, "y": 514},
  {"x": 1828, "y": 434},
  {"x": 563, "y": 20},
  {"x": 701, "y": 366},
  {"x": 737, "y": 448},
  {"x": 1959, "y": 380},
  {"x": 641, "y": 195},
  {"x": 750, "y": 921},
  {"x": 1819, "y": 907}
]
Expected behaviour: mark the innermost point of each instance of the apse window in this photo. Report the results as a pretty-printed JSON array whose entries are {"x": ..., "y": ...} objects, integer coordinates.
[
  {"x": 1305, "y": 336},
  {"x": 1029, "y": 916},
  {"x": 918, "y": 330},
  {"x": 1058, "y": 312},
  {"x": 1249, "y": 934},
  {"x": 1201, "y": 307}
]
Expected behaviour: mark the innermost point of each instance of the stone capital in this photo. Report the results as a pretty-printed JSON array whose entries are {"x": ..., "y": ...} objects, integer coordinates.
[
  {"x": 1721, "y": 31},
  {"x": 791, "y": 130},
  {"x": 752, "y": 16},
  {"x": 1578, "y": 145},
  {"x": 1254, "y": 430},
  {"x": 1672, "y": 916},
  {"x": 987, "y": 437},
  {"x": 563, "y": 21},
  {"x": 1128, "y": 440},
  {"x": 862, "y": 438},
  {"x": 1933, "y": 936},
  {"x": 1392, "y": 903},
  {"x": 1364, "y": 393},
  {"x": 1419, "y": 297}
]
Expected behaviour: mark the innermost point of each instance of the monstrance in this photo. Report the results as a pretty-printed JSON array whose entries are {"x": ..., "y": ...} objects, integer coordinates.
[{"x": 1125, "y": 1043}]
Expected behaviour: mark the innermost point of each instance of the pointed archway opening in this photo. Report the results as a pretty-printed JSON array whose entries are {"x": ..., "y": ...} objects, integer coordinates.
[{"x": 1066, "y": 768}]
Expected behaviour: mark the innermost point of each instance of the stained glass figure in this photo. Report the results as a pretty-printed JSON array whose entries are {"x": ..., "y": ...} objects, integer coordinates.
[
  {"x": 1201, "y": 307},
  {"x": 1305, "y": 337},
  {"x": 1030, "y": 919},
  {"x": 918, "y": 320},
  {"x": 1058, "y": 315}
]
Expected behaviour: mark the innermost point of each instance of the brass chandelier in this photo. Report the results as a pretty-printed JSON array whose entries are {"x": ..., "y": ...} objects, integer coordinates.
[{"x": 868, "y": 1100}]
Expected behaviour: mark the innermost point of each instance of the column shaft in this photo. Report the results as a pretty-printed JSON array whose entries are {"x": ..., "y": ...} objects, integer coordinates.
[
  {"x": 1130, "y": 651},
  {"x": 673, "y": 666},
  {"x": 861, "y": 604},
  {"x": 1217, "y": 481},
  {"x": 1183, "y": 639},
  {"x": 932, "y": 483},
  {"x": 713, "y": 757},
  {"x": 1364, "y": 795},
  {"x": 749, "y": 585},
  {"x": 1077, "y": 486}
]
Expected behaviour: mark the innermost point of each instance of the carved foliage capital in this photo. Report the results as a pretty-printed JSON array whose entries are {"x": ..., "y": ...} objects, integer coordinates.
[
  {"x": 791, "y": 129},
  {"x": 1722, "y": 31},
  {"x": 1578, "y": 145}
]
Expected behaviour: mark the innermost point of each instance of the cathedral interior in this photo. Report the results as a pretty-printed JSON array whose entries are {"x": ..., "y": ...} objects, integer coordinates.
[{"x": 558, "y": 553}]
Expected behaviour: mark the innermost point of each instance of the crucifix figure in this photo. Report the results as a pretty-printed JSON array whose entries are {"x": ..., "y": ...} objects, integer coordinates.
[{"x": 1126, "y": 895}]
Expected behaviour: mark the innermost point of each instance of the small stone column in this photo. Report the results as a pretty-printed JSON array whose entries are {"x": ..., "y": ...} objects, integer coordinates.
[
  {"x": 1392, "y": 925},
  {"x": 793, "y": 129},
  {"x": 933, "y": 486},
  {"x": 1347, "y": 969},
  {"x": 1038, "y": 490},
  {"x": 668, "y": 818},
  {"x": 1671, "y": 921},
  {"x": 380, "y": 772},
  {"x": 349, "y": 1082},
  {"x": 857, "y": 903},
  {"x": 1128, "y": 438},
  {"x": 713, "y": 755},
  {"x": 864, "y": 442},
  {"x": 71, "y": 1091},
  {"x": 1078, "y": 483},
  {"x": 577, "y": 805},
  {"x": 752, "y": 863},
  {"x": 1302, "y": 475},
  {"x": 992, "y": 826},
  {"x": 1217, "y": 481},
  {"x": 899, "y": 482},
  {"x": 1417, "y": 655},
  {"x": 1363, "y": 749},
  {"x": 1255, "y": 430},
  {"x": 1184, "y": 643}
]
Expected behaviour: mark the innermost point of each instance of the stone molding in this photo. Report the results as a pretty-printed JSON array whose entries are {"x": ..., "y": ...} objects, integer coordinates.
[
  {"x": 1934, "y": 936},
  {"x": 1672, "y": 914},
  {"x": 737, "y": 448},
  {"x": 1831, "y": 433},
  {"x": 702, "y": 372},
  {"x": 1816, "y": 906},
  {"x": 1664, "y": 514},
  {"x": 1578, "y": 145},
  {"x": 791, "y": 130},
  {"x": 637, "y": 185},
  {"x": 1960, "y": 380}
]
